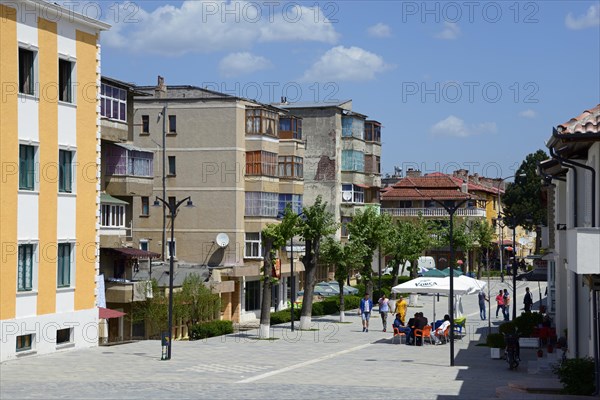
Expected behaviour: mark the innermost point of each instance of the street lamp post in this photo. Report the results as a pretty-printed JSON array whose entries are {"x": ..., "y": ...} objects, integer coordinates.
[
  {"x": 173, "y": 207},
  {"x": 514, "y": 225},
  {"x": 451, "y": 210}
]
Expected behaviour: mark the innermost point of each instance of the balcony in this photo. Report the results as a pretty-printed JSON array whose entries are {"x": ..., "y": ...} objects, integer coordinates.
[
  {"x": 128, "y": 170},
  {"x": 583, "y": 256},
  {"x": 433, "y": 212},
  {"x": 126, "y": 291}
]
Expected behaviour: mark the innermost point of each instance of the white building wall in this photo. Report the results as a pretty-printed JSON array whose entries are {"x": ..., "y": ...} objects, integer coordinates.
[{"x": 44, "y": 327}]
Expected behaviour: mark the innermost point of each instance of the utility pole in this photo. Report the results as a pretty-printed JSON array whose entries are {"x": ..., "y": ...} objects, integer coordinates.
[{"x": 164, "y": 180}]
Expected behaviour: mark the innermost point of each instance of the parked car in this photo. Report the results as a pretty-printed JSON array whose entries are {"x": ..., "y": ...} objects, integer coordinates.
[
  {"x": 347, "y": 289},
  {"x": 323, "y": 289}
]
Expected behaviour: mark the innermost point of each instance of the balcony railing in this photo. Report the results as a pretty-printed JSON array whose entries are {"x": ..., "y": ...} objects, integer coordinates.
[
  {"x": 433, "y": 212},
  {"x": 127, "y": 291}
]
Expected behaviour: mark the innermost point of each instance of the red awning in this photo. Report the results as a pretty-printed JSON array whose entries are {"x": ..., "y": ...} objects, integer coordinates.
[
  {"x": 131, "y": 252},
  {"x": 106, "y": 313},
  {"x": 505, "y": 242},
  {"x": 361, "y": 185}
]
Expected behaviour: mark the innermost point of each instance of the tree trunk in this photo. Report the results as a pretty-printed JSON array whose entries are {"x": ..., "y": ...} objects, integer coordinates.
[
  {"x": 369, "y": 286},
  {"x": 310, "y": 269},
  {"x": 265, "y": 308},
  {"x": 342, "y": 306},
  {"x": 395, "y": 277}
]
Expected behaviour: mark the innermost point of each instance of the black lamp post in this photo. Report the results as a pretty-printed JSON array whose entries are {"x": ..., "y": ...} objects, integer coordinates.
[
  {"x": 173, "y": 207},
  {"x": 451, "y": 210}
]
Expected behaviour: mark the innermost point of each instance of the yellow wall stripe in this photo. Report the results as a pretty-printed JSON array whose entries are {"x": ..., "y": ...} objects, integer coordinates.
[
  {"x": 9, "y": 157},
  {"x": 48, "y": 155},
  {"x": 87, "y": 168}
]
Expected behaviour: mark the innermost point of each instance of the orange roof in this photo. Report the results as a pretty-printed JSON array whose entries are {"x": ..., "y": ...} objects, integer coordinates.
[
  {"x": 587, "y": 122},
  {"x": 437, "y": 187}
]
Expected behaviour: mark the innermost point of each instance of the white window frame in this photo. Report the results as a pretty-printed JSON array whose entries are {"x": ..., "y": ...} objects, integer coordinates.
[
  {"x": 357, "y": 194},
  {"x": 113, "y": 219},
  {"x": 104, "y": 98},
  {"x": 144, "y": 242},
  {"x": 35, "y": 50},
  {"x": 36, "y": 164},
  {"x": 72, "y": 90},
  {"x": 34, "y": 267},
  {"x": 253, "y": 242},
  {"x": 73, "y": 164},
  {"x": 71, "y": 265}
]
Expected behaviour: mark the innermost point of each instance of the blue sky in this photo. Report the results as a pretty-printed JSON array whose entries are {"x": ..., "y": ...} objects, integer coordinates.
[{"x": 476, "y": 85}]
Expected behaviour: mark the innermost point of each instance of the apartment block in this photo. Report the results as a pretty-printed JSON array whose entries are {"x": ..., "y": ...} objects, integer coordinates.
[
  {"x": 49, "y": 149},
  {"x": 342, "y": 161},
  {"x": 241, "y": 162}
]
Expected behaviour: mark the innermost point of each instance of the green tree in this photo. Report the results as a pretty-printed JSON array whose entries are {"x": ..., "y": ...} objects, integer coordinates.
[
  {"x": 483, "y": 234},
  {"x": 317, "y": 224},
  {"x": 343, "y": 257},
  {"x": 274, "y": 237},
  {"x": 406, "y": 242},
  {"x": 370, "y": 229},
  {"x": 464, "y": 239},
  {"x": 523, "y": 198}
]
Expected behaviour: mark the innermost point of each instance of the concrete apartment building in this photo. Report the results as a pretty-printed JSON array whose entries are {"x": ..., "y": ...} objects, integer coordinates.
[
  {"x": 342, "y": 160},
  {"x": 126, "y": 176},
  {"x": 574, "y": 220},
  {"x": 241, "y": 162},
  {"x": 49, "y": 149}
]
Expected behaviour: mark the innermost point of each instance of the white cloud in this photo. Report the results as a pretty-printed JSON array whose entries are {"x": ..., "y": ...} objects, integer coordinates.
[
  {"x": 529, "y": 113},
  {"x": 379, "y": 30},
  {"x": 451, "y": 31},
  {"x": 456, "y": 127},
  {"x": 209, "y": 26},
  {"x": 589, "y": 20},
  {"x": 346, "y": 64},
  {"x": 242, "y": 63}
]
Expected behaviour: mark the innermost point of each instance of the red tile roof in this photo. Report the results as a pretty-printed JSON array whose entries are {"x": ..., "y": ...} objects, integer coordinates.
[
  {"x": 438, "y": 187},
  {"x": 586, "y": 123}
]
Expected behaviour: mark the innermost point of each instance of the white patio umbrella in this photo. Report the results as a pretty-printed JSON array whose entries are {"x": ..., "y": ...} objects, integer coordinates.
[{"x": 433, "y": 286}]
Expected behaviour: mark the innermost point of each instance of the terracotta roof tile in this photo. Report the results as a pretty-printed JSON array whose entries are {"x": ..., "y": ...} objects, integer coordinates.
[{"x": 587, "y": 122}]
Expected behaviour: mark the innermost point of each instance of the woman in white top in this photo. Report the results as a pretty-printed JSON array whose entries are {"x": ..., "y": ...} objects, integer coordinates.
[{"x": 384, "y": 309}]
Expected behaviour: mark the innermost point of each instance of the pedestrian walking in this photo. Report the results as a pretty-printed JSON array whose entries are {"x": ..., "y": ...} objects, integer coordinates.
[
  {"x": 482, "y": 299},
  {"x": 401, "y": 306},
  {"x": 506, "y": 297},
  {"x": 384, "y": 309},
  {"x": 527, "y": 301},
  {"x": 366, "y": 305},
  {"x": 500, "y": 303}
]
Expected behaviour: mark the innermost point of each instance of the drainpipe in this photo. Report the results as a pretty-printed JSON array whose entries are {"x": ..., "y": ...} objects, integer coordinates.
[{"x": 567, "y": 164}]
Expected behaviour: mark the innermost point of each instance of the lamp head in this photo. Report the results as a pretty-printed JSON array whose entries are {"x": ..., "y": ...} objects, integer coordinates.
[
  {"x": 190, "y": 203},
  {"x": 156, "y": 203}
]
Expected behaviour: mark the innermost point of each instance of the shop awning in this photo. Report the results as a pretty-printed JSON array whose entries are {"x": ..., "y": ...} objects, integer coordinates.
[
  {"x": 107, "y": 313},
  {"x": 131, "y": 252}
]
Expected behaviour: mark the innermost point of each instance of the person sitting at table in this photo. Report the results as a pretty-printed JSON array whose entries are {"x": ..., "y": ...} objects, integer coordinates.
[
  {"x": 399, "y": 327},
  {"x": 420, "y": 322},
  {"x": 439, "y": 332},
  {"x": 412, "y": 325}
]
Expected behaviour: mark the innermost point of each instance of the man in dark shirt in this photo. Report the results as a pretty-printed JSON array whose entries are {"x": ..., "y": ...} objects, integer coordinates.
[{"x": 412, "y": 324}]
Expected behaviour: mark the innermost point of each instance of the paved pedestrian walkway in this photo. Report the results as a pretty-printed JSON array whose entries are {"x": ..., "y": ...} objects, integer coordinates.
[{"x": 333, "y": 360}]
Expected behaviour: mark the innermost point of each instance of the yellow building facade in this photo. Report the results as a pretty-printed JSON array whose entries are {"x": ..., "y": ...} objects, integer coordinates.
[{"x": 49, "y": 194}]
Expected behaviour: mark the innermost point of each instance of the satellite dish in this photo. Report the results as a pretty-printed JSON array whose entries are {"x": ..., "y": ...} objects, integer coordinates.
[
  {"x": 346, "y": 196},
  {"x": 222, "y": 240}
]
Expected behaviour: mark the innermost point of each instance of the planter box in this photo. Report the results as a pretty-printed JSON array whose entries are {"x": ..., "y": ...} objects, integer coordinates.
[
  {"x": 529, "y": 343},
  {"x": 496, "y": 353}
]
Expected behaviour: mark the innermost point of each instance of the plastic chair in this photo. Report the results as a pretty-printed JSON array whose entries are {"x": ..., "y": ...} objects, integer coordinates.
[
  {"x": 459, "y": 324},
  {"x": 399, "y": 334},
  {"x": 424, "y": 333}
]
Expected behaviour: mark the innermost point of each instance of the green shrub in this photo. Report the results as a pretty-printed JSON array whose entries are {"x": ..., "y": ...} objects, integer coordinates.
[
  {"x": 495, "y": 340},
  {"x": 507, "y": 327},
  {"x": 205, "y": 330},
  {"x": 351, "y": 302},
  {"x": 526, "y": 323},
  {"x": 577, "y": 375}
]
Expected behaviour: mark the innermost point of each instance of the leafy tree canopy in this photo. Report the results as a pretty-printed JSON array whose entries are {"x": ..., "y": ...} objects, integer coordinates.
[{"x": 522, "y": 198}]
